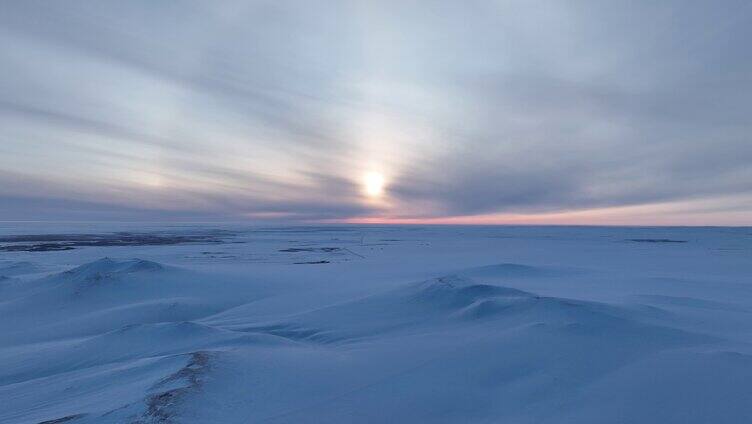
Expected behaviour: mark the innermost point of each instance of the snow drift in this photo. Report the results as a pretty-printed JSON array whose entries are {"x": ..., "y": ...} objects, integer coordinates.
[{"x": 440, "y": 326}]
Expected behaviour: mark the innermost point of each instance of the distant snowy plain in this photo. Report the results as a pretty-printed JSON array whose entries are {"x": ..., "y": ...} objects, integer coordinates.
[{"x": 104, "y": 323}]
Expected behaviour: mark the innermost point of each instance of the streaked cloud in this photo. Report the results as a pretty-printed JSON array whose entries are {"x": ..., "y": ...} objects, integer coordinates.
[{"x": 487, "y": 111}]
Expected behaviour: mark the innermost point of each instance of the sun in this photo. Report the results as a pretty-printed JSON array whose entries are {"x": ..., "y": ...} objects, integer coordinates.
[{"x": 373, "y": 184}]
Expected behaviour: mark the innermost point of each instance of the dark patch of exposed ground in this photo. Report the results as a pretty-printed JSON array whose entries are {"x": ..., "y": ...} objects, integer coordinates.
[
  {"x": 311, "y": 249},
  {"x": 63, "y": 419},
  {"x": 651, "y": 240},
  {"x": 55, "y": 242},
  {"x": 162, "y": 407}
]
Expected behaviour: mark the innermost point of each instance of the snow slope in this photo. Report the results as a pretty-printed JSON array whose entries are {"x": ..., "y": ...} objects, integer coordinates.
[{"x": 384, "y": 324}]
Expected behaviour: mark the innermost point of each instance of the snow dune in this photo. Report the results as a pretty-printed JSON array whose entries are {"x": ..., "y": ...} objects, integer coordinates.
[{"x": 493, "y": 336}]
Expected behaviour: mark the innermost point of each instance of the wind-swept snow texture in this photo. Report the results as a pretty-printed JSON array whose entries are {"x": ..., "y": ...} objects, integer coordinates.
[{"x": 349, "y": 324}]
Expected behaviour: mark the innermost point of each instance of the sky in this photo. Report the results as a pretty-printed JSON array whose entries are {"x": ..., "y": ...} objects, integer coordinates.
[{"x": 465, "y": 112}]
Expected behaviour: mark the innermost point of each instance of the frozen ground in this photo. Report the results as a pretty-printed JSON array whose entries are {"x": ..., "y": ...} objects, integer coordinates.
[{"x": 208, "y": 324}]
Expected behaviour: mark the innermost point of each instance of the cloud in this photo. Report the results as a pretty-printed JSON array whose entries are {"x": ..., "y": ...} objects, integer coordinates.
[{"x": 233, "y": 109}]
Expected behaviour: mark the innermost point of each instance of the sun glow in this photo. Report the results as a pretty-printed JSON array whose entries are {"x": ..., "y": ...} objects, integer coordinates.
[{"x": 373, "y": 184}]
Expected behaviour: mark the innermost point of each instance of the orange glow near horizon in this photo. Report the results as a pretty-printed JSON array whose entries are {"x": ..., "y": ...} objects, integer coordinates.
[{"x": 680, "y": 214}]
